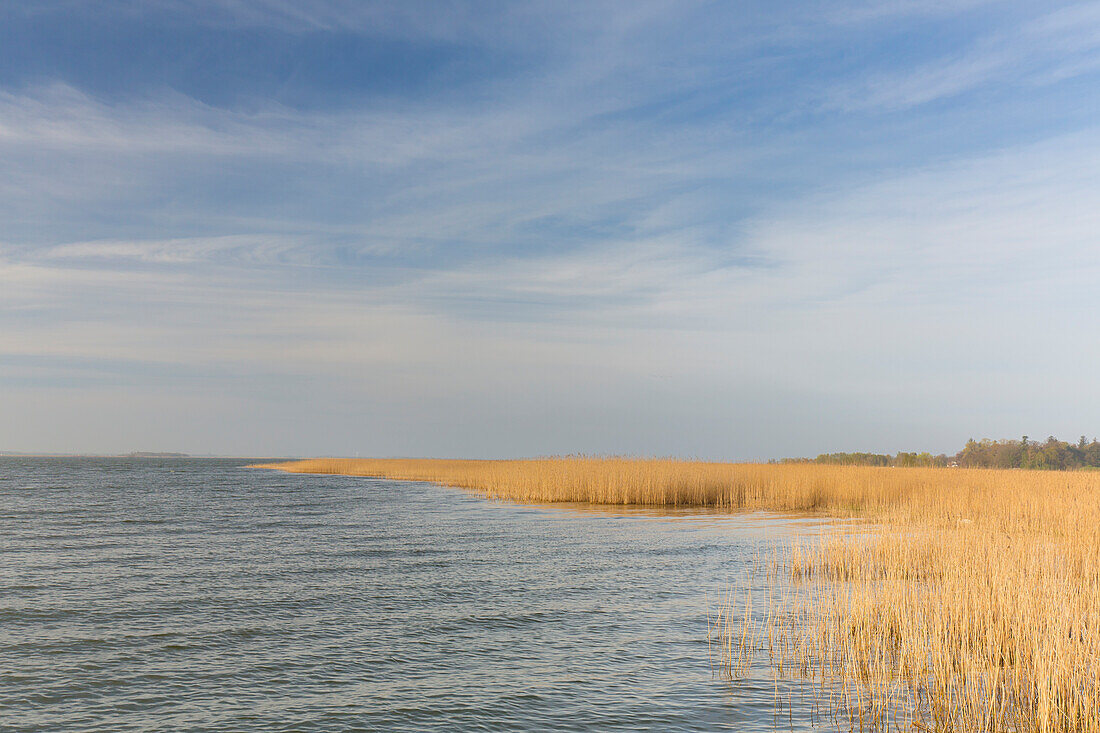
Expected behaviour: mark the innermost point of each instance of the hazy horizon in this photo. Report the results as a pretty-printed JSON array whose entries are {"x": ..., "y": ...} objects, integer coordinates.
[
  {"x": 506, "y": 230},
  {"x": 138, "y": 453}
]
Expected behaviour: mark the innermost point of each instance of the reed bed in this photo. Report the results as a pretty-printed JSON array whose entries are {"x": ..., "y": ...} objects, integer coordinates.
[
  {"x": 970, "y": 603},
  {"x": 933, "y": 621},
  {"x": 873, "y": 492}
]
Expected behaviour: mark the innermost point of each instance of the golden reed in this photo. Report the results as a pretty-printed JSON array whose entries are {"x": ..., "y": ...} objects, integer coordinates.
[
  {"x": 971, "y": 604},
  {"x": 839, "y": 490}
]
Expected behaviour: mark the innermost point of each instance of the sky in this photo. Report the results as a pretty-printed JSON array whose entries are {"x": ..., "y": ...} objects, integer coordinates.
[{"x": 495, "y": 229}]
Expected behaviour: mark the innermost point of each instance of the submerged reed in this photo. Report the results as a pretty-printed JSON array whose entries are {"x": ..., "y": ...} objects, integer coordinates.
[{"x": 933, "y": 621}]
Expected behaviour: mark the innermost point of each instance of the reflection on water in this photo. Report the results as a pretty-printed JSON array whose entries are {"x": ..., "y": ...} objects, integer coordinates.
[
  {"x": 749, "y": 520},
  {"x": 185, "y": 594}
]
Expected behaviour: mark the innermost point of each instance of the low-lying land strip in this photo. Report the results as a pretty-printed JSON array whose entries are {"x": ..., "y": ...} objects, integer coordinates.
[{"x": 974, "y": 606}]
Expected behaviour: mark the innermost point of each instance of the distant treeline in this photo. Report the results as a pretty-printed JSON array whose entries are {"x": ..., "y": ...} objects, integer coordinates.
[{"x": 1053, "y": 454}]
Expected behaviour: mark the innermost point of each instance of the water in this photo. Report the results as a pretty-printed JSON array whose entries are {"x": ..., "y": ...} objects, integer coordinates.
[{"x": 199, "y": 595}]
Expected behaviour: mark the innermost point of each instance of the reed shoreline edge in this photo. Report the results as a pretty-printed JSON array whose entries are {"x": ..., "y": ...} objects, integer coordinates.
[{"x": 973, "y": 604}]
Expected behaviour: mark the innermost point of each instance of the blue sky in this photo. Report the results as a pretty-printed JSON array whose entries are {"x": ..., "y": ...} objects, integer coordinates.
[{"x": 725, "y": 230}]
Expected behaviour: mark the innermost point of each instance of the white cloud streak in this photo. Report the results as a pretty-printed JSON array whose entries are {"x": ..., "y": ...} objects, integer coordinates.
[{"x": 1038, "y": 51}]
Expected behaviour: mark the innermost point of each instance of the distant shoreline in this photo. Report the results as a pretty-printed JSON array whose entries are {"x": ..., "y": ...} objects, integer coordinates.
[{"x": 137, "y": 454}]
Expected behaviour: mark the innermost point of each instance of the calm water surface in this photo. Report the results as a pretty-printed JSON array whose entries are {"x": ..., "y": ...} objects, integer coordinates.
[{"x": 199, "y": 595}]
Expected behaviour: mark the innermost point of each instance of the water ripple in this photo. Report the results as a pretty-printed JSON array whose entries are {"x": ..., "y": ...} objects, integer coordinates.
[{"x": 166, "y": 595}]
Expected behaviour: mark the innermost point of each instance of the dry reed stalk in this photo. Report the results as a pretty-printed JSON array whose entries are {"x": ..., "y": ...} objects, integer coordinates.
[{"x": 949, "y": 628}]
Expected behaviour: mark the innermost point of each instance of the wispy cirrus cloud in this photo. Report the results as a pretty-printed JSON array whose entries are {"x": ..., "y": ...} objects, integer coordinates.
[{"x": 1029, "y": 51}]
